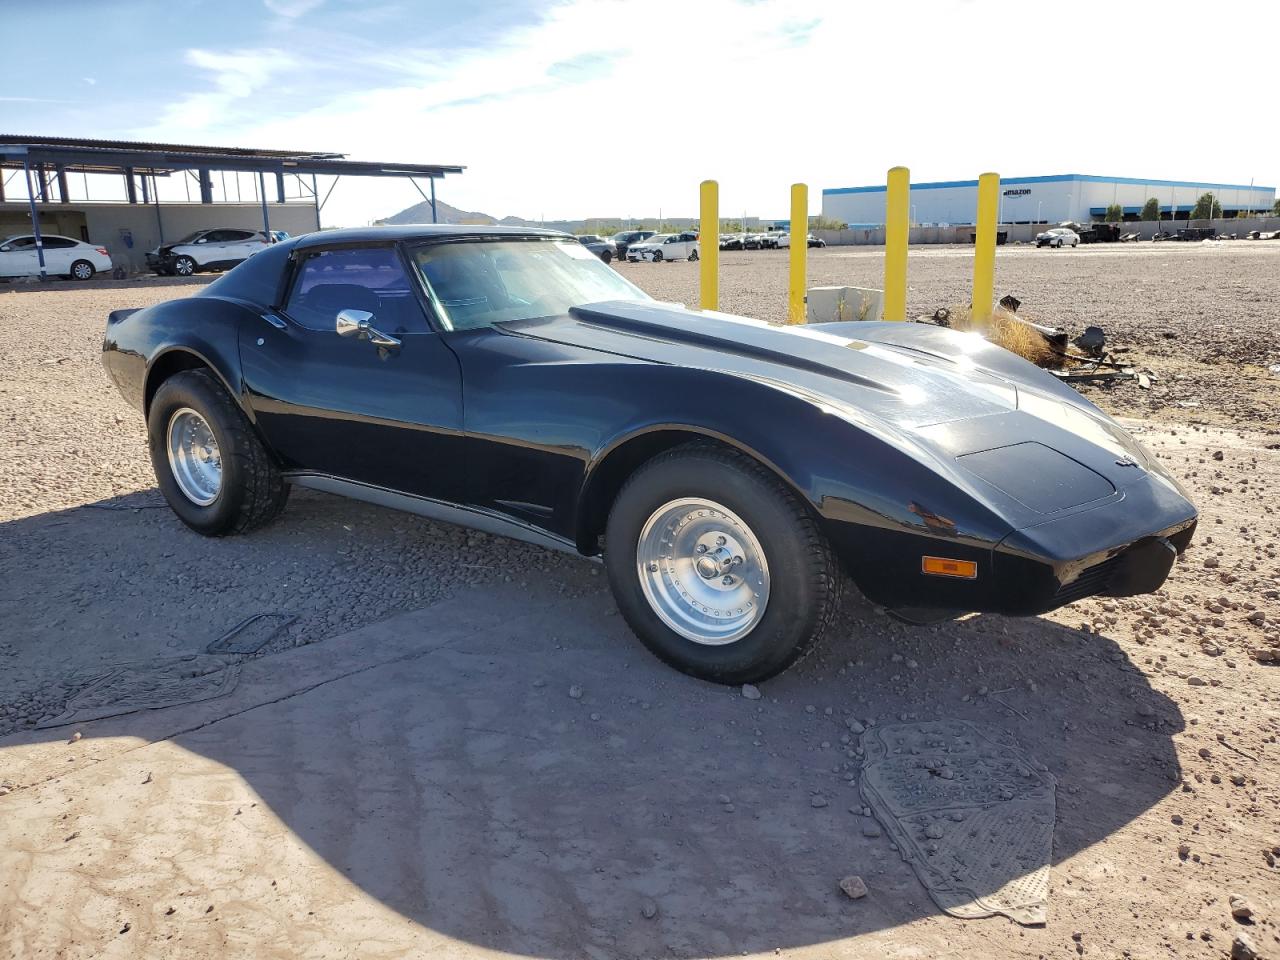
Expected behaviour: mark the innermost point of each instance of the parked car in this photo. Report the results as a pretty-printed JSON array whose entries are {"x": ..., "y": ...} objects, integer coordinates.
[
  {"x": 1058, "y": 237},
  {"x": 752, "y": 241},
  {"x": 513, "y": 383},
  {"x": 279, "y": 236},
  {"x": 218, "y": 249},
  {"x": 665, "y": 246},
  {"x": 63, "y": 257},
  {"x": 605, "y": 249},
  {"x": 622, "y": 241},
  {"x": 815, "y": 241},
  {"x": 731, "y": 241},
  {"x": 769, "y": 241},
  {"x": 782, "y": 241}
]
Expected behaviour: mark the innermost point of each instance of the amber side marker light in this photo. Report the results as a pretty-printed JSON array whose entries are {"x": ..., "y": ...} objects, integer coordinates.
[{"x": 942, "y": 567}]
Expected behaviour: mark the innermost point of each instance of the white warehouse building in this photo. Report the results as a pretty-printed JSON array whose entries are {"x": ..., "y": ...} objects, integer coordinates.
[{"x": 1051, "y": 199}]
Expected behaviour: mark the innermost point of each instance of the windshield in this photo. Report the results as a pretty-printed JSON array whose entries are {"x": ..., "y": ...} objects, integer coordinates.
[
  {"x": 191, "y": 237},
  {"x": 476, "y": 283},
  {"x": 660, "y": 238}
]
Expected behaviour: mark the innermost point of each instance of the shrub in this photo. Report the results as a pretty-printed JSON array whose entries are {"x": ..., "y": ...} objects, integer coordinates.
[
  {"x": 1114, "y": 214},
  {"x": 1150, "y": 209},
  {"x": 1206, "y": 208}
]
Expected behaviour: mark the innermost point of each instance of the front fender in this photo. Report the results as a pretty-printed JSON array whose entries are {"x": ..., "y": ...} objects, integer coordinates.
[{"x": 872, "y": 488}]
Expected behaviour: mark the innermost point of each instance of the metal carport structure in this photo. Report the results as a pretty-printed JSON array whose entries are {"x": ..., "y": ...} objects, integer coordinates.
[{"x": 45, "y": 163}]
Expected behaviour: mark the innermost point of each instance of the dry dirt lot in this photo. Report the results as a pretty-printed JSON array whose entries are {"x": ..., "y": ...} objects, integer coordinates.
[{"x": 479, "y": 761}]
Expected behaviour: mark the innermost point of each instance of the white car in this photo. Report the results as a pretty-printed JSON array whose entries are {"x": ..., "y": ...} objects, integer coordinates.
[
  {"x": 63, "y": 257},
  {"x": 665, "y": 246},
  {"x": 782, "y": 241},
  {"x": 1058, "y": 237},
  {"x": 218, "y": 249}
]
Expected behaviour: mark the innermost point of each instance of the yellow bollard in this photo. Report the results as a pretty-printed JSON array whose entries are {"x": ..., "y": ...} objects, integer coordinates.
[
  {"x": 896, "y": 212},
  {"x": 799, "y": 252},
  {"x": 709, "y": 242},
  {"x": 984, "y": 253}
]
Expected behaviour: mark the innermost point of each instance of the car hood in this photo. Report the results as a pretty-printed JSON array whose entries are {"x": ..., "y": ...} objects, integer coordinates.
[{"x": 952, "y": 393}]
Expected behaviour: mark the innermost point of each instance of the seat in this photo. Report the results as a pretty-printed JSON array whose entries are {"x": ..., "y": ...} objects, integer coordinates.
[{"x": 324, "y": 300}]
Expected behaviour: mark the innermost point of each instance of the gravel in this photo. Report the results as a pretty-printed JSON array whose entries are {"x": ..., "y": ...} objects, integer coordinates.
[{"x": 95, "y": 570}]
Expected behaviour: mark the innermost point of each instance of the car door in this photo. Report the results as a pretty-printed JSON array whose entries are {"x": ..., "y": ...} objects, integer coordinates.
[
  {"x": 59, "y": 252},
  {"x": 241, "y": 245},
  {"x": 341, "y": 406},
  {"x": 18, "y": 258},
  {"x": 207, "y": 249}
]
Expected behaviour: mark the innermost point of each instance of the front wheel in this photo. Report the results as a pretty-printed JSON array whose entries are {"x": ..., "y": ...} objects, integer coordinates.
[
  {"x": 693, "y": 255},
  {"x": 82, "y": 270},
  {"x": 718, "y": 568},
  {"x": 606, "y": 256},
  {"x": 657, "y": 255},
  {"x": 184, "y": 266},
  {"x": 209, "y": 464}
]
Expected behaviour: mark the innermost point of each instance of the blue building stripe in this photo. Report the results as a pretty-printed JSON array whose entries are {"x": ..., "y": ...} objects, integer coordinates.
[{"x": 1057, "y": 178}]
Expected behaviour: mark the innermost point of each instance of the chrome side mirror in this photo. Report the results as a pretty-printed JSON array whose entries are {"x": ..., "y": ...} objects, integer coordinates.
[{"x": 355, "y": 323}]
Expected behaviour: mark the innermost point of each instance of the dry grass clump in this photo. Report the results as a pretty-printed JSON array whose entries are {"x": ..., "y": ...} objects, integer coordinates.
[{"x": 1004, "y": 329}]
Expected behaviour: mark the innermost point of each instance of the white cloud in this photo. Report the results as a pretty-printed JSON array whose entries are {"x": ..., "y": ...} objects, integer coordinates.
[
  {"x": 233, "y": 78},
  {"x": 757, "y": 95},
  {"x": 291, "y": 8}
]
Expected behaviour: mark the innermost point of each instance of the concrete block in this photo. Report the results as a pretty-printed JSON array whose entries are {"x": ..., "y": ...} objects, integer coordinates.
[{"x": 834, "y": 304}]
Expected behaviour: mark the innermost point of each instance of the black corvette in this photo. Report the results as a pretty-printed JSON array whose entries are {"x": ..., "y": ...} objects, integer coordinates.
[{"x": 728, "y": 470}]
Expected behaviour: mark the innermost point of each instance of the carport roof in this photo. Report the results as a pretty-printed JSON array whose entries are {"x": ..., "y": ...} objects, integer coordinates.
[{"x": 161, "y": 159}]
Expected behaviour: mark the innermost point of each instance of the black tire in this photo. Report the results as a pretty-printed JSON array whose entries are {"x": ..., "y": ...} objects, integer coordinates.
[
  {"x": 82, "y": 270},
  {"x": 806, "y": 583},
  {"x": 657, "y": 256},
  {"x": 606, "y": 256},
  {"x": 184, "y": 267},
  {"x": 693, "y": 255},
  {"x": 253, "y": 493}
]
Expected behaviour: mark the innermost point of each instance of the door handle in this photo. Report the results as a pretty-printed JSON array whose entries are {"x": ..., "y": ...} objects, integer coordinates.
[{"x": 355, "y": 323}]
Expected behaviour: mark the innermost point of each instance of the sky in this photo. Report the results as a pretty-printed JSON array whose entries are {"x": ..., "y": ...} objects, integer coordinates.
[{"x": 569, "y": 109}]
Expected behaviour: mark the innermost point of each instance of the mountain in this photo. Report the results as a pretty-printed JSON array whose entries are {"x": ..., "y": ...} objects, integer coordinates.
[{"x": 421, "y": 213}]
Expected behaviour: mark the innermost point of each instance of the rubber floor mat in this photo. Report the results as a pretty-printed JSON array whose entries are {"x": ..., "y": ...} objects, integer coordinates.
[
  {"x": 969, "y": 810},
  {"x": 251, "y": 634},
  {"x": 147, "y": 685}
]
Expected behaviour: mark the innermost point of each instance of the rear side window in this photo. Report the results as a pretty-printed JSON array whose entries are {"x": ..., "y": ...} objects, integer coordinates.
[
  {"x": 58, "y": 243},
  {"x": 368, "y": 278}
]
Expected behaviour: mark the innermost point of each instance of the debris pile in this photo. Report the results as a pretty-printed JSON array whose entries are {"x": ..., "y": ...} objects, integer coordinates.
[{"x": 1083, "y": 359}]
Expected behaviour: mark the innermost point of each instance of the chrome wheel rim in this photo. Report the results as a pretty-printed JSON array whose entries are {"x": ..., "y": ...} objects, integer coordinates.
[
  {"x": 183, "y": 267},
  {"x": 703, "y": 571},
  {"x": 83, "y": 271},
  {"x": 194, "y": 458}
]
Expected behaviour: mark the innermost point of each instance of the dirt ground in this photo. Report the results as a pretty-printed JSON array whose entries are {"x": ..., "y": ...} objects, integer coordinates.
[{"x": 478, "y": 760}]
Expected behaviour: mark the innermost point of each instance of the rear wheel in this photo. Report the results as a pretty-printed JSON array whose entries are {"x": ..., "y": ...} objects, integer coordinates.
[
  {"x": 184, "y": 266},
  {"x": 209, "y": 463},
  {"x": 693, "y": 255},
  {"x": 82, "y": 270},
  {"x": 718, "y": 567}
]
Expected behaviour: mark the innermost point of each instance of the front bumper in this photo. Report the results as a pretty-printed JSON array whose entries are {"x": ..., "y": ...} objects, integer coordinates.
[
  {"x": 161, "y": 261},
  {"x": 1123, "y": 547}
]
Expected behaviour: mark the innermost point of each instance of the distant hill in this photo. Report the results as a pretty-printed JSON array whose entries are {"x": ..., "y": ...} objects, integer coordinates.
[{"x": 421, "y": 213}]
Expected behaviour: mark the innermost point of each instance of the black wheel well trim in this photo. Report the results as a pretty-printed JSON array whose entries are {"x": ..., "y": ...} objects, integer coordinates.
[
  {"x": 608, "y": 469},
  {"x": 195, "y": 360}
]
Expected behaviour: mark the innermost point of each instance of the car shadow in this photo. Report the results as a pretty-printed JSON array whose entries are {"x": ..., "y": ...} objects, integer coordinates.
[{"x": 521, "y": 775}]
